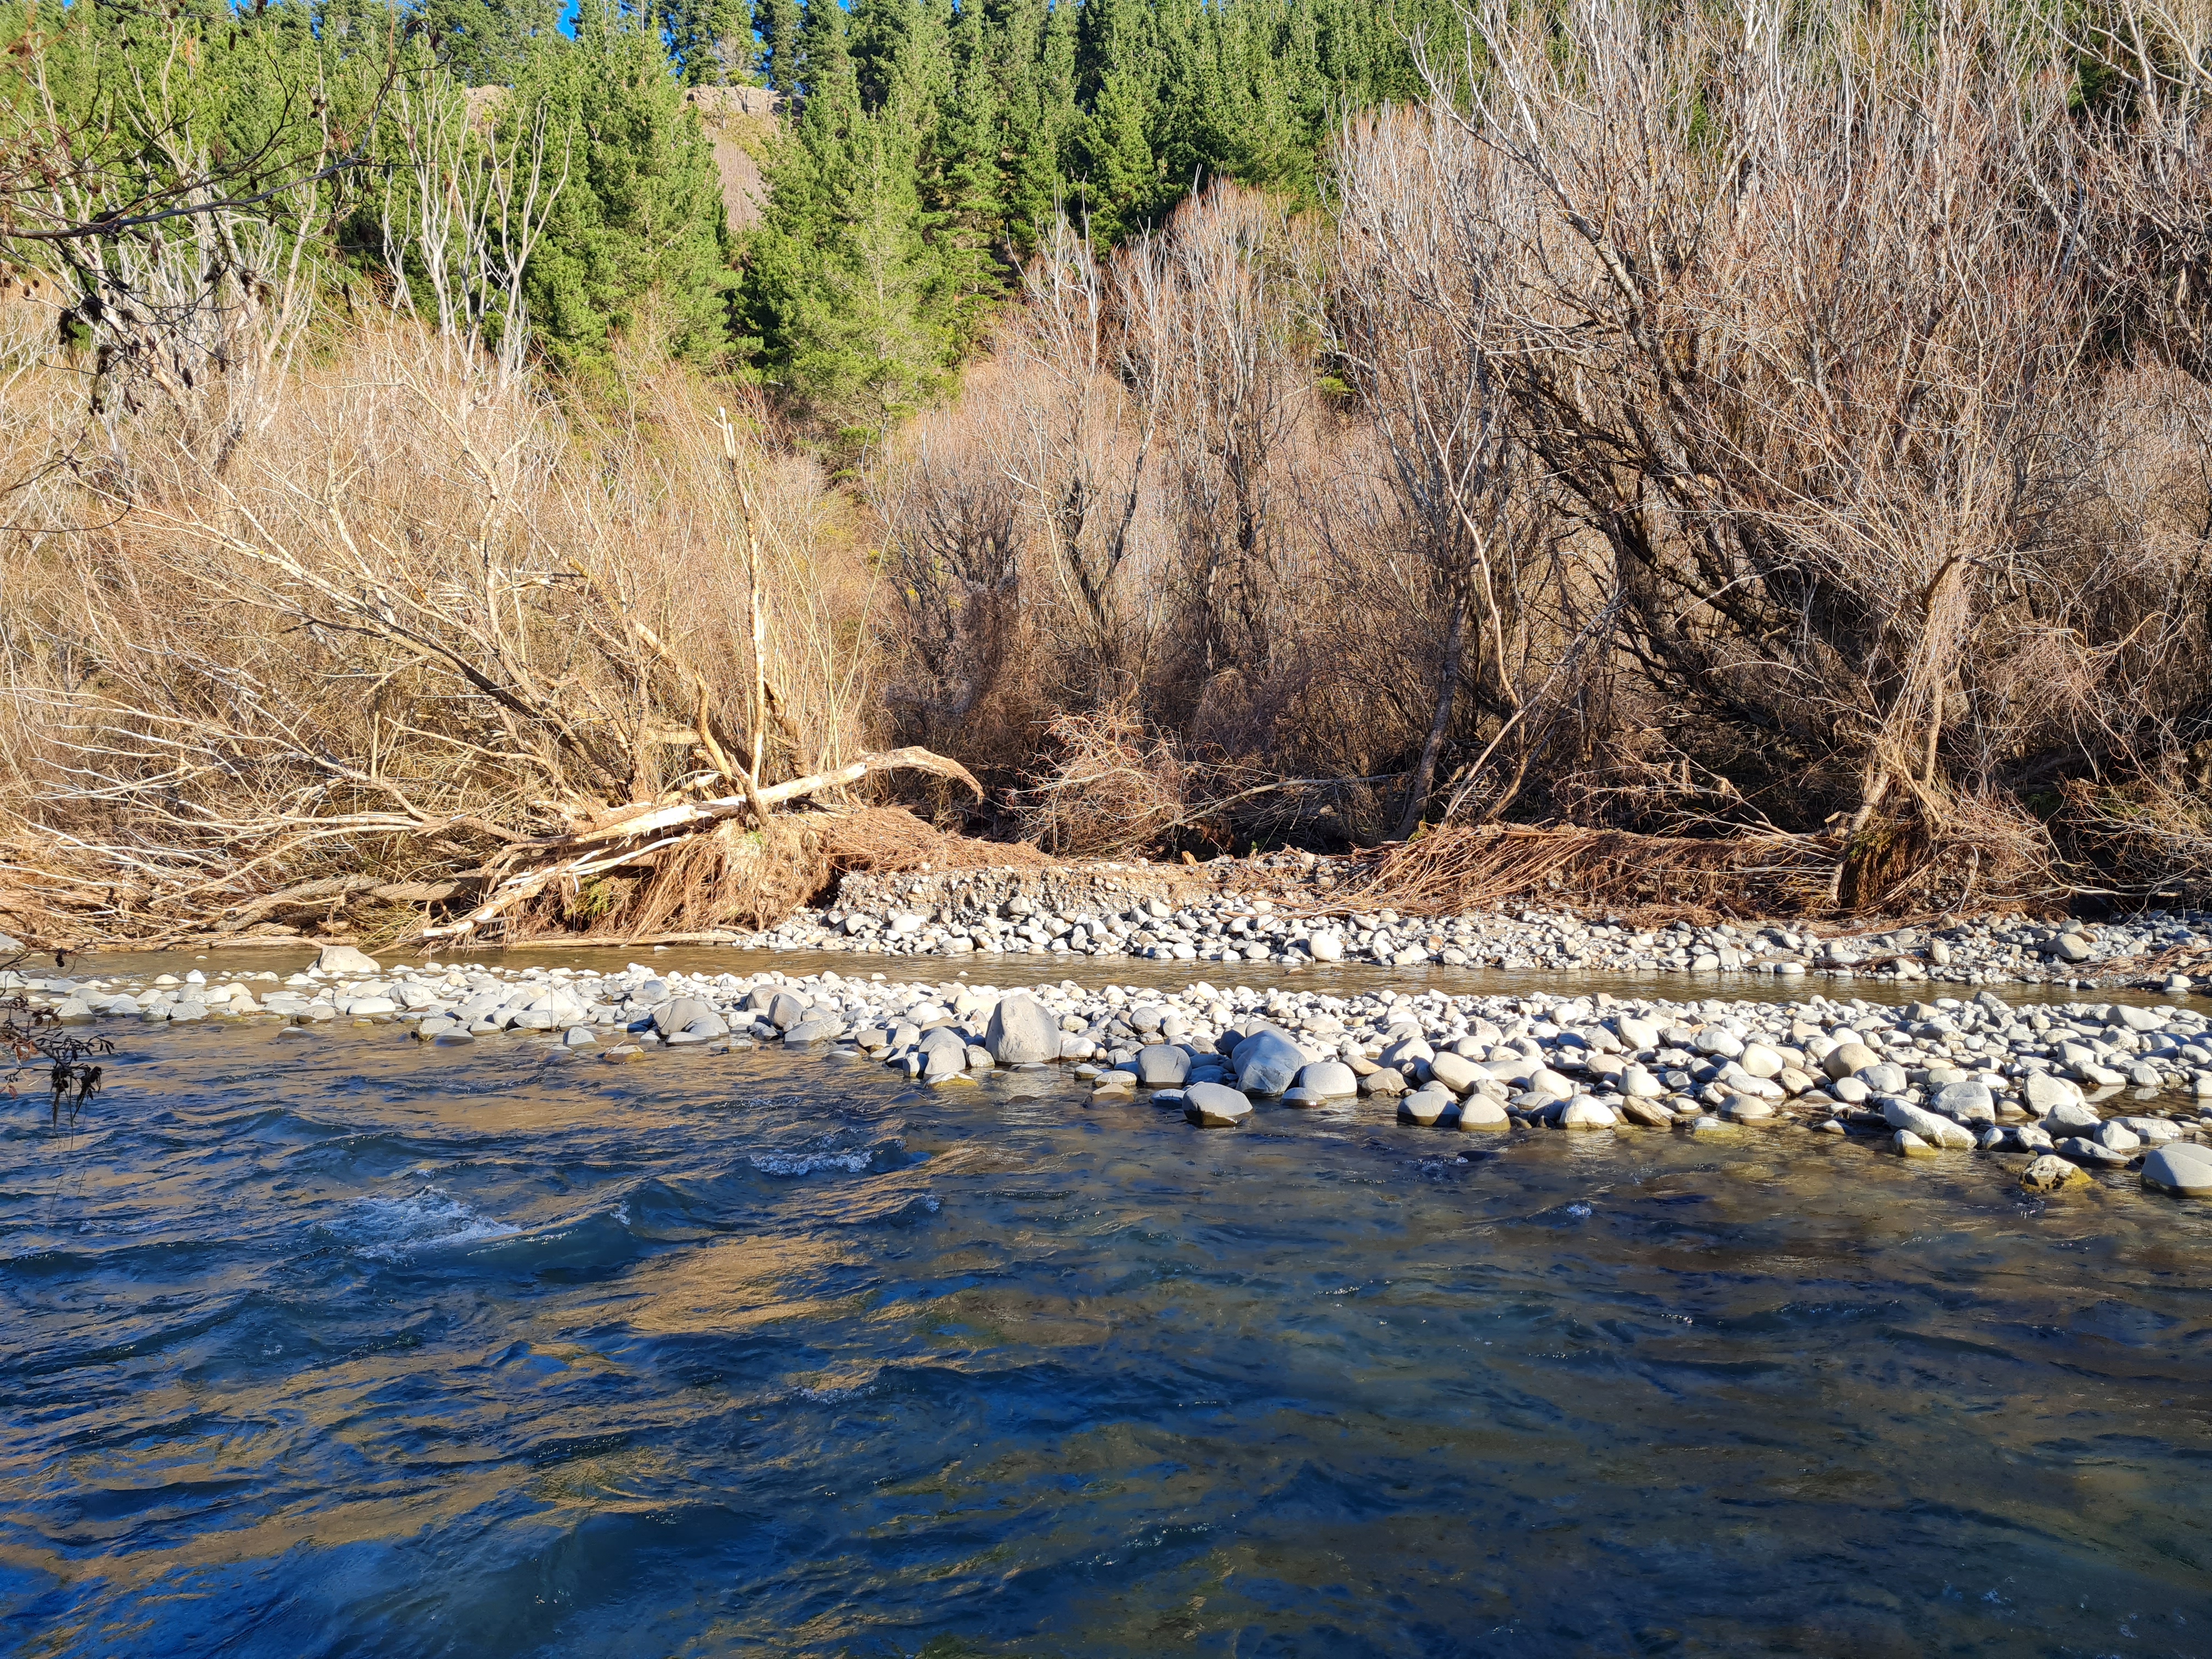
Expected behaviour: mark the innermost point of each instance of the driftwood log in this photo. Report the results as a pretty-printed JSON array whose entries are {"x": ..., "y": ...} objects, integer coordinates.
[{"x": 631, "y": 832}]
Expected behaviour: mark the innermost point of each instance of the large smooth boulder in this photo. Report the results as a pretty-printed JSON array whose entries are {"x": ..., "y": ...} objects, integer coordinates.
[
  {"x": 2070, "y": 1114},
  {"x": 1331, "y": 1079},
  {"x": 1546, "y": 1081},
  {"x": 1638, "y": 1082},
  {"x": 1456, "y": 1072},
  {"x": 785, "y": 1010},
  {"x": 1267, "y": 1063},
  {"x": 677, "y": 1016},
  {"x": 1024, "y": 1032},
  {"x": 1970, "y": 1102},
  {"x": 344, "y": 959},
  {"x": 1883, "y": 1078},
  {"x": 2180, "y": 1168},
  {"x": 1213, "y": 1106},
  {"x": 1481, "y": 1113},
  {"x": 1425, "y": 1107},
  {"x": 2044, "y": 1093},
  {"x": 1326, "y": 947},
  {"x": 1163, "y": 1066},
  {"x": 1586, "y": 1114},
  {"x": 1761, "y": 1062},
  {"x": 1919, "y": 1121},
  {"x": 1403, "y": 1053},
  {"x": 1846, "y": 1058}
]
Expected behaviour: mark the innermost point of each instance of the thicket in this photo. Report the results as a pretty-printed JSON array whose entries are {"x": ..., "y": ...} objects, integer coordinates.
[{"x": 1184, "y": 426}]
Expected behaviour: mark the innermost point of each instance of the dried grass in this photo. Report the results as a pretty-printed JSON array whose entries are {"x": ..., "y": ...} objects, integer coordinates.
[
  {"x": 737, "y": 879},
  {"x": 1457, "y": 869}
]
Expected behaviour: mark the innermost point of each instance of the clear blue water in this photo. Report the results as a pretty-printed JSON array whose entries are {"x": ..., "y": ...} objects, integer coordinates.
[{"x": 352, "y": 1346}]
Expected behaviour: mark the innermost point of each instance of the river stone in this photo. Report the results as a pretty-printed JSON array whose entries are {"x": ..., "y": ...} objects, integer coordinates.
[
  {"x": 2179, "y": 1168},
  {"x": 1456, "y": 1072},
  {"x": 344, "y": 959},
  {"x": 2030, "y": 1137},
  {"x": 1905, "y": 1143},
  {"x": 1265, "y": 1063},
  {"x": 2048, "y": 1174},
  {"x": 1545, "y": 1081},
  {"x": 1848, "y": 1058},
  {"x": 1761, "y": 1062},
  {"x": 1638, "y": 1083},
  {"x": 1586, "y": 1114},
  {"x": 2044, "y": 1093},
  {"x": 943, "y": 1036},
  {"x": 1480, "y": 1112},
  {"x": 1969, "y": 1103},
  {"x": 806, "y": 1031},
  {"x": 939, "y": 1063},
  {"x": 1211, "y": 1106},
  {"x": 1162, "y": 1064},
  {"x": 1382, "y": 1080},
  {"x": 1925, "y": 1125},
  {"x": 1747, "y": 1108},
  {"x": 1331, "y": 1079},
  {"x": 2117, "y": 1137},
  {"x": 1707, "y": 1124},
  {"x": 2082, "y": 1149},
  {"x": 681, "y": 1013},
  {"x": 785, "y": 1010},
  {"x": 1425, "y": 1106},
  {"x": 1403, "y": 1053},
  {"x": 576, "y": 1038},
  {"x": 1883, "y": 1078},
  {"x": 1023, "y": 1032},
  {"x": 1326, "y": 947},
  {"x": 1651, "y": 1116},
  {"x": 2071, "y": 1115}
]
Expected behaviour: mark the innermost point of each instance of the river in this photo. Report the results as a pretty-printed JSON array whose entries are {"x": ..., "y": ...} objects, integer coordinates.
[{"x": 358, "y": 1347}]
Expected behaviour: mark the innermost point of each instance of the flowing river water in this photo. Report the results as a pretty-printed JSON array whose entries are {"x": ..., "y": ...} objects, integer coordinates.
[{"x": 357, "y": 1345}]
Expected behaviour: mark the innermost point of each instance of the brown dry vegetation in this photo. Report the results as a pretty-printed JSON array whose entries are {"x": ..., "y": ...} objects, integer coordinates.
[
  {"x": 1690, "y": 424},
  {"x": 1744, "y": 460}
]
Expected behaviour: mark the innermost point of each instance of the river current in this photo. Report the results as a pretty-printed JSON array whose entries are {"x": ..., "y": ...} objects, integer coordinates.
[{"x": 352, "y": 1345}]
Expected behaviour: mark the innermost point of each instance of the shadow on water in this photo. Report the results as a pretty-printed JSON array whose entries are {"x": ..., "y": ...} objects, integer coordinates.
[{"x": 353, "y": 1346}]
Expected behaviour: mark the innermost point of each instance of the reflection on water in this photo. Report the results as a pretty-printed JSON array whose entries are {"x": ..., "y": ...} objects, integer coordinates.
[{"x": 382, "y": 1349}]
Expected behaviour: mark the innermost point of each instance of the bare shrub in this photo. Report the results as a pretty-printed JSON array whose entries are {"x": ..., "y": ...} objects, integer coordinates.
[
  {"x": 430, "y": 624},
  {"x": 1109, "y": 787}
]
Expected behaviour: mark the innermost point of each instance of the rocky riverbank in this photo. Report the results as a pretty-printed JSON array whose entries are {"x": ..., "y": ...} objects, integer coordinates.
[
  {"x": 1284, "y": 910},
  {"x": 2061, "y": 1088}
]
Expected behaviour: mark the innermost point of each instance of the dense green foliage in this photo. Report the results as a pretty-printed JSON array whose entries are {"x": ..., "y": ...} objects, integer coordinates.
[
  {"x": 923, "y": 145},
  {"x": 933, "y": 145}
]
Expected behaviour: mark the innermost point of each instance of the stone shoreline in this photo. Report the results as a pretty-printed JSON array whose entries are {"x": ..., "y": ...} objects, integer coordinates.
[
  {"x": 2048, "y": 1083},
  {"x": 1269, "y": 911}
]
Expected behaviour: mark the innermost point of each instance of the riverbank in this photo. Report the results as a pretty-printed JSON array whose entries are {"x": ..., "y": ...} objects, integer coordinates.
[
  {"x": 2062, "y": 1087},
  {"x": 1289, "y": 910}
]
